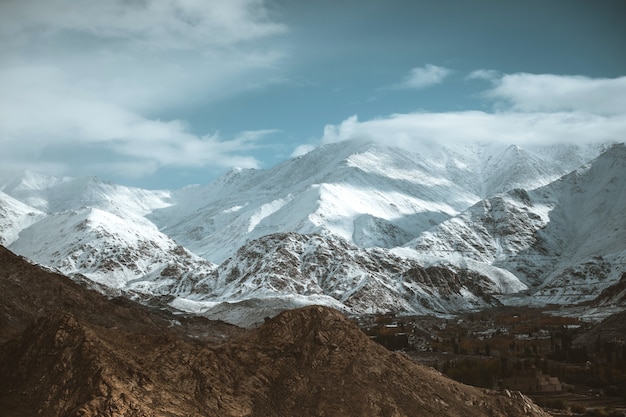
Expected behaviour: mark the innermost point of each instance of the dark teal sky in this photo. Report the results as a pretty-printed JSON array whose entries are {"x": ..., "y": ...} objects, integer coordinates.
[{"x": 324, "y": 62}]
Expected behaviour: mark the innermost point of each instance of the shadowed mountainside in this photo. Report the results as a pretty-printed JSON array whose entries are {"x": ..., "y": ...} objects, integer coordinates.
[{"x": 69, "y": 351}]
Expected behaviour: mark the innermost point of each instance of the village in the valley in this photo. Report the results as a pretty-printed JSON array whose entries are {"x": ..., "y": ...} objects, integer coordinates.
[{"x": 521, "y": 349}]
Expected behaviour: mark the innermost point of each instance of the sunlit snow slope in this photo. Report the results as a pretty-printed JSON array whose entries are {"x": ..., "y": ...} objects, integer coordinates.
[
  {"x": 368, "y": 194},
  {"x": 15, "y": 216},
  {"x": 567, "y": 239}
]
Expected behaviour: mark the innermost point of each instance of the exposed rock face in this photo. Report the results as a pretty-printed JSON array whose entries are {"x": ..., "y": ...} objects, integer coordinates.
[
  {"x": 343, "y": 275},
  {"x": 323, "y": 365},
  {"x": 28, "y": 292},
  {"x": 79, "y": 354}
]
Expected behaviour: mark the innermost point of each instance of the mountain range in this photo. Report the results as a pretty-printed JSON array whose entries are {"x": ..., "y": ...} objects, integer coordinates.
[{"x": 354, "y": 225}]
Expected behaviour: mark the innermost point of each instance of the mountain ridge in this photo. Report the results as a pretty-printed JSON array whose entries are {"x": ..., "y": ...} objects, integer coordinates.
[
  {"x": 376, "y": 206},
  {"x": 334, "y": 272},
  {"x": 540, "y": 234},
  {"x": 350, "y": 189}
]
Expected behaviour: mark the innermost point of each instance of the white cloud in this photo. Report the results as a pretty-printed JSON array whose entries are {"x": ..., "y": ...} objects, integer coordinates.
[
  {"x": 301, "y": 150},
  {"x": 84, "y": 76},
  {"x": 547, "y": 92},
  {"x": 422, "y": 77},
  {"x": 483, "y": 74},
  {"x": 532, "y": 109},
  {"x": 178, "y": 24},
  {"x": 143, "y": 55},
  {"x": 414, "y": 129},
  {"x": 86, "y": 125},
  {"x": 39, "y": 108}
]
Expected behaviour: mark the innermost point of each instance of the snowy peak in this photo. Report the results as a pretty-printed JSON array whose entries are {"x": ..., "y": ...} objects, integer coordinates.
[
  {"x": 593, "y": 200},
  {"x": 366, "y": 193},
  {"x": 52, "y": 194},
  {"x": 586, "y": 234},
  {"x": 567, "y": 238},
  {"x": 513, "y": 168},
  {"x": 340, "y": 189},
  {"x": 355, "y": 225},
  {"x": 27, "y": 180},
  {"x": 102, "y": 246},
  {"x": 507, "y": 168}
]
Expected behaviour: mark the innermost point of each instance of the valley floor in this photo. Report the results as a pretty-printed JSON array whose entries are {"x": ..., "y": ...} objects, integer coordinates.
[{"x": 532, "y": 350}]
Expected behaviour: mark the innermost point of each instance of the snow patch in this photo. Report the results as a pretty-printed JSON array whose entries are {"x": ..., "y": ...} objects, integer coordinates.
[{"x": 266, "y": 210}]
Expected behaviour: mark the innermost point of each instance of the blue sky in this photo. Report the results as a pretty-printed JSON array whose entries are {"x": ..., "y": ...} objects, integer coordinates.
[{"x": 165, "y": 93}]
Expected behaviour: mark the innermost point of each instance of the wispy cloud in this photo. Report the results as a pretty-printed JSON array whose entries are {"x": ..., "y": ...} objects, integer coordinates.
[
  {"x": 162, "y": 24},
  {"x": 56, "y": 116},
  {"x": 529, "y": 109},
  {"x": 547, "y": 92},
  {"x": 301, "y": 150},
  {"x": 423, "y": 77},
  {"x": 83, "y": 76},
  {"x": 484, "y": 74},
  {"x": 415, "y": 129}
]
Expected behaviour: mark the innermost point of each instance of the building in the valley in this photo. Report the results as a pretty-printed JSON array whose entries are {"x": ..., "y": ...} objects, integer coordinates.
[{"x": 532, "y": 382}]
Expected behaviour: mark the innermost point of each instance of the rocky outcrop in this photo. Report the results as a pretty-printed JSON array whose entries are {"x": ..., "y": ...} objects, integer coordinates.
[
  {"x": 341, "y": 274},
  {"x": 80, "y": 354}
]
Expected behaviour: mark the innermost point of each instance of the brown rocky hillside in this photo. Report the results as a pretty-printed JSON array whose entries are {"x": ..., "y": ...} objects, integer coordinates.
[{"x": 68, "y": 351}]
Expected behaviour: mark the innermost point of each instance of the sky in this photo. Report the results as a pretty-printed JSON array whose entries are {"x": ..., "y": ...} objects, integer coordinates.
[{"x": 167, "y": 93}]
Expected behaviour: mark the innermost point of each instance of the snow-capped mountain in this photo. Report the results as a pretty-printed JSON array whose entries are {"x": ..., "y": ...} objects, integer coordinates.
[
  {"x": 287, "y": 268},
  {"x": 341, "y": 189},
  {"x": 110, "y": 250},
  {"x": 54, "y": 195},
  {"x": 567, "y": 238},
  {"x": 368, "y": 194},
  {"x": 586, "y": 234},
  {"x": 97, "y": 229},
  {"x": 355, "y": 225},
  {"x": 491, "y": 230}
]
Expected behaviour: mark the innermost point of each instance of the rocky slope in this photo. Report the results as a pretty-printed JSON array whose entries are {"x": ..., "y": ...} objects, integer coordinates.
[
  {"x": 612, "y": 300},
  {"x": 331, "y": 271},
  {"x": 609, "y": 329},
  {"x": 29, "y": 292},
  {"x": 65, "y": 358}
]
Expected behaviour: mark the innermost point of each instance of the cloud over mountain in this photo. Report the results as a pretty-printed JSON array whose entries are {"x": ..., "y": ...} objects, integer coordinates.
[{"x": 530, "y": 109}]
